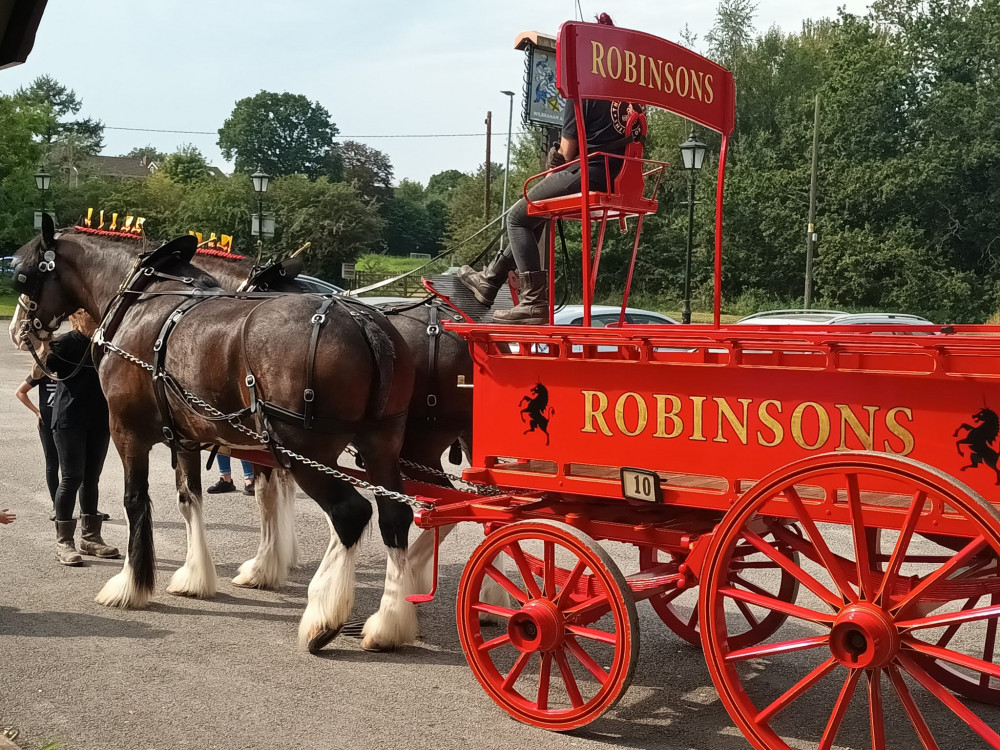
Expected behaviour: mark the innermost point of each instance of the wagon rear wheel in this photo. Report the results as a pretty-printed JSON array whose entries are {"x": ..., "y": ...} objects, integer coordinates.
[
  {"x": 873, "y": 636},
  {"x": 678, "y": 608},
  {"x": 568, "y": 647}
]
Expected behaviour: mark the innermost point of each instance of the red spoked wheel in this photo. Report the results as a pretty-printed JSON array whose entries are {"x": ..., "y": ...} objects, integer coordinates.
[
  {"x": 678, "y": 608},
  {"x": 871, "y": 635},
  {"x": 571, "y": 639}
]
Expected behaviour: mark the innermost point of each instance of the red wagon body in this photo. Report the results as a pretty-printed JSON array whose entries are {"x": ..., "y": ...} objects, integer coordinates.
[{"x": 799, "y": 486}]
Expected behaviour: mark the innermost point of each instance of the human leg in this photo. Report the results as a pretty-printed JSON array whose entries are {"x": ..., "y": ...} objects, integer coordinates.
[
  {"x": 523, "y": 230},
  {"x": 51, "y": 461},
  {"x": 248, "y": 477},
  {"x": 72, "y": 457},
  {"x": 225, "y": 483},
  {"x": 91, "y": 522}
]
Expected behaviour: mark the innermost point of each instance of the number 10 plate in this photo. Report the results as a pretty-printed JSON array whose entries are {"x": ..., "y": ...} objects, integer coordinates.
[{"x": 639, "y": 484}]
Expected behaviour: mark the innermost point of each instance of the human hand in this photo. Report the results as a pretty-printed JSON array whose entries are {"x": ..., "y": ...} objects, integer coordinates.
[
  {"x": 7, "y": 517},
  {"x": 554, "y": 158}
]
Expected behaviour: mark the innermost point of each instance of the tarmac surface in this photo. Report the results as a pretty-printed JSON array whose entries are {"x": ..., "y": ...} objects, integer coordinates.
[{"x": 226, "y": 673}]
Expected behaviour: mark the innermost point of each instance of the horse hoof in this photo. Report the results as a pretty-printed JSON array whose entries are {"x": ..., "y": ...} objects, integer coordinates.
[
  {"x": 322, "y": 639},
  {"x": 377, "y": 648}
]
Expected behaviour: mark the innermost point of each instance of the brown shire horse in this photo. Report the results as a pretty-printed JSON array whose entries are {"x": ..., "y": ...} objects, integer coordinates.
[{"x": 362, "y": 377}]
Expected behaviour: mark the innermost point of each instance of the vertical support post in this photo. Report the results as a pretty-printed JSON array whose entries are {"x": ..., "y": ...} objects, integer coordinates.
[
  {"x": 686, "y": 313},
  {"x": 581, "y": 134},
  {"x": 720, "y": 185},
  {"x": 489, "y": 135},
  {"x": 811, "y": 230}
]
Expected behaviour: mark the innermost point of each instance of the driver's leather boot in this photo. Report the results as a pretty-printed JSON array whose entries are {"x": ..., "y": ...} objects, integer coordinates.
[
  {"x": 486, "y": 284},
  {"x": 65, "y": 549},
  {"x": 532, "y": 300},
  {"x": 91, "y": 542}
]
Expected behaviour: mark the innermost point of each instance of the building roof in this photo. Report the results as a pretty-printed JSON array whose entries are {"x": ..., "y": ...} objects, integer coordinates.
[{"x": 118, "y": 166}]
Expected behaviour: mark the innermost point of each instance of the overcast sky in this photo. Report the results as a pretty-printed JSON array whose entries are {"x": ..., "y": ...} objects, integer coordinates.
[{"x": 399, "y": 68}]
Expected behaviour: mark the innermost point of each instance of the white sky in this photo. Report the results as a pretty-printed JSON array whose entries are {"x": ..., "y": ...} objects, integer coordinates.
[{"x": 380, "y": 68}]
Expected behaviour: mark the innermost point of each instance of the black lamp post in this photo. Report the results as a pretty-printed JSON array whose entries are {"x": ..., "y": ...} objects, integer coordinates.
[
  {"x": 260, "y": 180},
  {"x": 42, "y": 181},
  {"x": 693, "y": 155}
]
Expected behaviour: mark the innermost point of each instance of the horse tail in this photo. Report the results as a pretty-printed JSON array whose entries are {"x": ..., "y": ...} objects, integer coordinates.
[
  {"x": 141, "y": 551},
  {"x": 384, "y": 353}
]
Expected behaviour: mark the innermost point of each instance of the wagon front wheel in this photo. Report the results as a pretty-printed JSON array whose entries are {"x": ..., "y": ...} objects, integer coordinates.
[
  {"x": 568, "y": 646},
  {"x": 880, "y": 631}
]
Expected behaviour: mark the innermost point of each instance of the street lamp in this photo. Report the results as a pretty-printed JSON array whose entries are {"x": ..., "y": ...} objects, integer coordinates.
[
  {"x": 42, "y": 181},
  {"x": 260, "y": 180},
  {"x": 506, "y": 169},
  {"x": 693, "y": 156}
]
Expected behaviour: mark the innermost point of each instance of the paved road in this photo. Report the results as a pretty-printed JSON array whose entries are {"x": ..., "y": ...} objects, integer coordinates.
[{"x": 226, "y": 673}]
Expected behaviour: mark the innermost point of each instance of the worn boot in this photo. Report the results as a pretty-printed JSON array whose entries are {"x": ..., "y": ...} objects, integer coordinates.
[
  {"x": 91, "y": 542},
  {"x": 532, "y": 300},
  {"x": 65, "y": 549},
  {"x": 486, "y": 284}
]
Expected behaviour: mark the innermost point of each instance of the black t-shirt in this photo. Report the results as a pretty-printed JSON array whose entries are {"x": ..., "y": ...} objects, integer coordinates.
[
  {"x": 46, "y": 396},
  {"x": 79, "y": 400},
  {"x": 604, "y": 122}
]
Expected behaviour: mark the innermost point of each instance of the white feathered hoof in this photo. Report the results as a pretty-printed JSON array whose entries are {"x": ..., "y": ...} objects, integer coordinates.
[
  {"x": 120, "y": 592},
  {"x": 388, "y": 629},
  {"x": 252, "y": 575},
  {"x": 194, "y": 581}
]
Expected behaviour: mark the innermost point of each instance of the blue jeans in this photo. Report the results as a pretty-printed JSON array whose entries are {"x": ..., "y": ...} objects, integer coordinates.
[{"x": 226, "y": 466}]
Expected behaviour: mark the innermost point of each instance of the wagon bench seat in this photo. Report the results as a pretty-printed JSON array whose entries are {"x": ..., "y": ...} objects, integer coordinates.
[{"x": 612, "y": 205}]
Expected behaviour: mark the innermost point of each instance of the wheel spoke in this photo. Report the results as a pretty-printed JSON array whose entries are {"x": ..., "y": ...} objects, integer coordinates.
[
  {"x": 953, "y": 657},
  {"x": 952, "y": 618},
  {"x": 954, "y": 704},
  {"x": 839, "y": 709},
  {"x": 517, "y": 555},
  {"x": 516, "y": 670},
  {"x": 549, "y": 569},
  {"x": 788, "y": 608},
  {"x": 916, "y": 718},
  {"x": 588, "y": 611},
  {"x": 865, "y": 584},
  {"x": 784, "y": 647},
  {"x": 876, "y": 717},
  {"x": 950, "y": 631},
  {"x": 593, "y": 634},
  {"x": 500, "y": 640},
  {"x": 493, "y": 609},
  {"x": 793, "y": 569},
  {"x": 574, "y": 576},
  {"x": 796, "y": 691},
  {"x": 902, "y": 544},
  {"x": 587, "y": 660},
  {"x": 747, "y": 613},
  {"x": 989, "y": 645},
  {"x": 940, "y": 574},
  {"x": 543, "y": 681},
  {"x": 508, "y": 585},
  {"x": 830, "y": 561},
  {"x": 569, "y": 680}
]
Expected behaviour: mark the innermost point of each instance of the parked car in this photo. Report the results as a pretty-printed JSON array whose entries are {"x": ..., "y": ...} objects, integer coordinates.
[
  {"x": 830, "y": 318},
  {"x": 601, "y": 316},
  {"x": 7, "y": 265},
  {"x": 318, "y": 286}
]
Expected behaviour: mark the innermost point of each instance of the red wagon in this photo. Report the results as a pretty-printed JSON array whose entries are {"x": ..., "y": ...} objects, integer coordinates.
[{"x": 792, "y": 494}]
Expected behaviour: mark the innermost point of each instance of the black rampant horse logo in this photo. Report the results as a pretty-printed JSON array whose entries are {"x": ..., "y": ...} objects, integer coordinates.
[
  {"x": 980, "y": 437},
  {"x": 535, "y": 410}
]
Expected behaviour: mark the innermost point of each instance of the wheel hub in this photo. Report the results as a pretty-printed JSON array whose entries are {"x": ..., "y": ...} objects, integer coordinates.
[
  {"x": 538, "y": 626},
  {"x": 864, "y": 636}
]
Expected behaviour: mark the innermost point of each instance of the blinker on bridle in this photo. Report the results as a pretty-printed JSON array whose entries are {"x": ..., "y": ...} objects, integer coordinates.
[{"x": 28, "y": 286}]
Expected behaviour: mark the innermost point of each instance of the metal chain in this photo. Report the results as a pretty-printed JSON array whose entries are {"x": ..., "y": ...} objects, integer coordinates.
[
  {"x": 481, "y": 489},
  {"x": 354, "y": 481}
]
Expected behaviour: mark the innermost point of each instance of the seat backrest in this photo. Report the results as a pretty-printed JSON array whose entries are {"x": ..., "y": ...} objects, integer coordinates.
[{"x": 630, "y": 184}]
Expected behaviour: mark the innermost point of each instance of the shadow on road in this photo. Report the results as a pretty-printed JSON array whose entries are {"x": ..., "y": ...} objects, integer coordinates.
[{"x": 72, "y": 625}]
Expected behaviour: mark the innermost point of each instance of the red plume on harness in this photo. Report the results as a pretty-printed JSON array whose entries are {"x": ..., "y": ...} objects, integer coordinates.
[{"x": 605, "y": 20}]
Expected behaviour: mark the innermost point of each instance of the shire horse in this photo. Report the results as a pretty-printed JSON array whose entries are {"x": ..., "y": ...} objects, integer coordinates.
[{"x": 351, "y": 358}]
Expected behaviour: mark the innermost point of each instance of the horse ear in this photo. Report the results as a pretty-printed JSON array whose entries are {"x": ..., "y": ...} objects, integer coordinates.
[{"x": 48, "y": 230}]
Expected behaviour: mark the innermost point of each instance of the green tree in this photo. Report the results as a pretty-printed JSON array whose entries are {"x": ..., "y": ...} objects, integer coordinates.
[
  {"x": 368, "y": 168},
  {"x": 185, "y": 165},
  {"x": 19, "y": 154},
  {"x": 283, "y": 134},
  {"x": 149, "y": 151},
  {"x": 58, "y": 103}
]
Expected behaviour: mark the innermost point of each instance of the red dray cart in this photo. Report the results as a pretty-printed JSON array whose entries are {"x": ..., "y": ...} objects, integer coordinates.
[{"x": 792, "y": 496}]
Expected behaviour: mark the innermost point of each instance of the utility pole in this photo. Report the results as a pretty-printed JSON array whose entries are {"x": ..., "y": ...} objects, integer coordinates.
[
  {"x": 811, "y": 232},
  {"x": 489, "y": 135}
]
